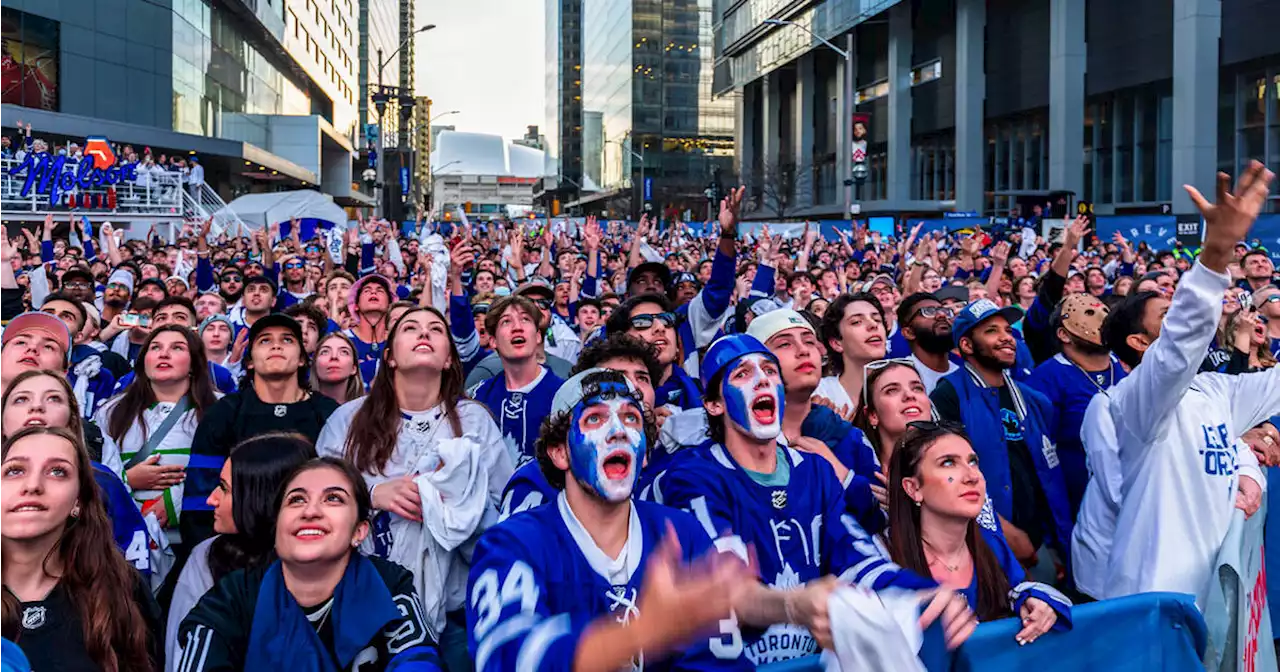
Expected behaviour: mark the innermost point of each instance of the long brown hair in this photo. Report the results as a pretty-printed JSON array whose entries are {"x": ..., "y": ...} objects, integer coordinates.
[
  {"x": 75, "y": 424},
  {"x": 862, "y": 418},
  {"x": 355, "y": 384},
  {"x": 905, "y": 545},
  {"x": 375, "y": 427},
  {"x": 98, "y": 580},
  {"x": 139, "y": 396}
]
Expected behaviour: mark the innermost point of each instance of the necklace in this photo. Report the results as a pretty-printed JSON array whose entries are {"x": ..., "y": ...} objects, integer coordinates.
[
  {"x": 937, "y": 556},
  {"x": 1111, "y": 373}
]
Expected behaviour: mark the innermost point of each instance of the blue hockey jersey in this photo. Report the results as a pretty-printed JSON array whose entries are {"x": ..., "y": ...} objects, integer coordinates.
[
  {"x": 799, "y": 530},
  {"x": 519, "y": 413},
  {"x": 367, "y": 356},
  {"x": 127, "y": 525},
  {"x": 1070, "y": 389},
  {"x": 527, "y": 489},
  {"x": 537, "y": 581}
]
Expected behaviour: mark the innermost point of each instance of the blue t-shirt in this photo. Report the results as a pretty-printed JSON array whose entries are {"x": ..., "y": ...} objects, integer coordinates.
[{"x": 367, "y": 356}]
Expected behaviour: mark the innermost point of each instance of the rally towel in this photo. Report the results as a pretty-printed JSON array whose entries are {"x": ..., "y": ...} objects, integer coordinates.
[
  {"x": 874, "y": 631},
  {"x": 1236, "y": 611}
]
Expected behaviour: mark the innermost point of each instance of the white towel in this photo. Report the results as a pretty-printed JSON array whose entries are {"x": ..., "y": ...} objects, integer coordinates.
[
  {"x": 455, "y": 497},
  {"x": 874, "y": 631}
]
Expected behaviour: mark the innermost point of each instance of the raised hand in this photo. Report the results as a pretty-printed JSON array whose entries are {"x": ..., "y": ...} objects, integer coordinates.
[
  {"x": 764, "y": 246},
  {"x": 1229, "y": 218},
  {"x": 1000, "y": 253},
  {"x": 811, "y": 234},
  {"x": 6, "y": 246},
  {"x": 460, "y": 257},
  {"x": 730, "y": 206},
  {"x": 591, "y": 235},
  {"x": 238, "y": 346},
  {"x": 1075, "y": 231}
]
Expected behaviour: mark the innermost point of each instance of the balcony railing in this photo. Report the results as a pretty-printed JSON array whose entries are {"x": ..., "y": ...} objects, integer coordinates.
[{"x": 152, "y": 194}]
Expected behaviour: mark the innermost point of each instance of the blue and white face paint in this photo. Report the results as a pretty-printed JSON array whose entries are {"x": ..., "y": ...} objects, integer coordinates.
[
  {"x": 607, "y": 445},
  {"x": 752, "y": 391}
]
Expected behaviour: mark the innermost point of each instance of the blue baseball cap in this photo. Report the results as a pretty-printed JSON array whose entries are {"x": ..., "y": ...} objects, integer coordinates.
[
  {"x": 978, "y": 312},
  {"x": 726, "y": 350}
]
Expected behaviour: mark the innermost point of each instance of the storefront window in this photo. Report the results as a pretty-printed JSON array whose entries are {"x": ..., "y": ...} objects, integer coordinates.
[{"x": 30, "y": 55}]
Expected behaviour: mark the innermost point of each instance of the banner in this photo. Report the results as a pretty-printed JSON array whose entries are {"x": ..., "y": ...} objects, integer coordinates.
[
  {"x": 1236, "y": 611},
  {"x": 1149, "y": 631}
]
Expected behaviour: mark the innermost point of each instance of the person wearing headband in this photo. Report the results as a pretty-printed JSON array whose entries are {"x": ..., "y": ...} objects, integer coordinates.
[{"x": 563, "y": 586}]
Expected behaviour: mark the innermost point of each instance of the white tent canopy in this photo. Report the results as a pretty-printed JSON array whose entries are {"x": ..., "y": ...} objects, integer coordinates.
[{"x": 260, "y": 210}]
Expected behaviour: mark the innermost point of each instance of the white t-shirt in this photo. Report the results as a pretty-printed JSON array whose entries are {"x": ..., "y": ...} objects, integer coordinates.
[
  {"x": 930, "y": 377},
  {"x": 830, "y": 388}
]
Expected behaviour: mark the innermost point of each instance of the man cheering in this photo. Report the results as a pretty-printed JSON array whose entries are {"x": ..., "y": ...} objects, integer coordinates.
[{"x": 1183, "y": 468}]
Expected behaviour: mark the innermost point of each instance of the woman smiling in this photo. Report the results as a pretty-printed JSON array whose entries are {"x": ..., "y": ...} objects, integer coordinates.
[{"x": 322, "y": 605}]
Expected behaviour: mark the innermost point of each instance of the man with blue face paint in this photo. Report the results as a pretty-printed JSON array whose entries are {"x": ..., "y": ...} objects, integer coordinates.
[
  {"x": 567, "y": 585},
  {"x": 747, "y": 489}
]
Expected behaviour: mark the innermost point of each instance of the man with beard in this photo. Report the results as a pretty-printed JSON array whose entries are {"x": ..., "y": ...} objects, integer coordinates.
[
  {"x": 115, "y": 298},
  {"x": 582, "y": 562},
  {"x": 77, "y": 284},
  {"x": 231, "y": 286},
  {"x": 1010, "y": 424},
  {"x": 209, "y": 304},
  {"x": 293, "y": 274},
  {"x": 925, "y": 323},
  {"x": 1070, "y": 379}
]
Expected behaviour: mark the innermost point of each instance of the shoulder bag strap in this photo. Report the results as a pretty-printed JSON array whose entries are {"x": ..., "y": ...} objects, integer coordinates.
[{"x": 153, "y": 442}]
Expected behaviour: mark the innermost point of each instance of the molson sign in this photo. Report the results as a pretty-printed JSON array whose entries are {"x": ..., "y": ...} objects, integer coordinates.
[{"x": 51, "y": 175}]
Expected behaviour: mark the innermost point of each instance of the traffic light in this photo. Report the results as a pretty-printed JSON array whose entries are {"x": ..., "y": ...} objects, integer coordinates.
[{"x": 466, "y": 207}]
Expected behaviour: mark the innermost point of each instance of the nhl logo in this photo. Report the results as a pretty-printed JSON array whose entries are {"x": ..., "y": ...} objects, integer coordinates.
[
  {"x": 280, "y": 411},
  {"x": 779, "y": 499},
  {"x": 32, "y": 618}
]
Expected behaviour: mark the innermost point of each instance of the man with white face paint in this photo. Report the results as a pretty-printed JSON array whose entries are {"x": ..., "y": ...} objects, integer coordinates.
[
  {"x": 749, "y": 490},
  {"x": 561, "y": 586}
]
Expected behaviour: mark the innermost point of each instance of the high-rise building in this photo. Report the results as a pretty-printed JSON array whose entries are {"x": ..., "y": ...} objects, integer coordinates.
[
  {"x": 976, "y": 105},
  {"x": 657, "y": 136},
  {"x": 563, "y": 105},
  {"x": 421, "y": 145},
  {"x": 379, "y": 23},
  {"x": 263, "y": 93}
]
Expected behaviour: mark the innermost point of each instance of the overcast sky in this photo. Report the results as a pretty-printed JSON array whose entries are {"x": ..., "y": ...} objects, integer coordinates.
[{"x": 484, "y": 59}]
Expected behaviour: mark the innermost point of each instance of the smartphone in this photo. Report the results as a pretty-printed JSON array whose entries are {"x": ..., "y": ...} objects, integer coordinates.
[{"x": 135, "y": 320}]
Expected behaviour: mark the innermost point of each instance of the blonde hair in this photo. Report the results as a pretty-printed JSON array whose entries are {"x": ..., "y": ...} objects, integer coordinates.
[{"x": 1227, "y": 342}]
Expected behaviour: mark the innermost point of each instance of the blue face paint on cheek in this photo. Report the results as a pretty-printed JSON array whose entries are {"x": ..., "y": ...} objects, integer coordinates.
[
  {"x": 588, "y": 449},
  {"x": 735, "y": 405}
]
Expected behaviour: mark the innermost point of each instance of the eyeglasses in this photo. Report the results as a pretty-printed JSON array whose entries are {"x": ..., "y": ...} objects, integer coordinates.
[
  {"x": 931, "y": 312},
  {"x": 76, "y": 284},
  {"x": 646, "y": 321},
  {"x": 871, "y": 367}
]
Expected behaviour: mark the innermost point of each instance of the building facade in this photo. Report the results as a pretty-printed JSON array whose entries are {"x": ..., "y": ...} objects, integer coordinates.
[
  {"x": 230, "y": 82},
  {"x": 562, "y": 174},
  {"x": 972, "y": 104},
  {"x": 483, "y": 175},
  {"x": 655, "y": 134}
]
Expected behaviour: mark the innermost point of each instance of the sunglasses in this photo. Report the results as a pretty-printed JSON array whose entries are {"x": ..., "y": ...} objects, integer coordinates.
[
  {"x": 232, "y": 278},
  {"x": 312, "y": 248},
  {"x": 643, "y": 322},
  {"x": 936, "y": 426},
  {"x": 871, "y": 367},
  {"x": 930, "y": 312},
  {"x": 292, "y": 265},
  {"x": 544, "y": 304}
]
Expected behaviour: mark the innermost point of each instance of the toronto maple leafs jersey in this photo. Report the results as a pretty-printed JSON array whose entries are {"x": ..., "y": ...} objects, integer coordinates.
[
  {"x": 538, "y": 581},
  {"x": 527, "y": 489},
  {"x": 800, "y": 531},
  {"x": 519, "y": 413}
]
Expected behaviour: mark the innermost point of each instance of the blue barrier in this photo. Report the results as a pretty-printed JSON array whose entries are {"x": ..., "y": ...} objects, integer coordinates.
[{"x": 1152, "y": 631}]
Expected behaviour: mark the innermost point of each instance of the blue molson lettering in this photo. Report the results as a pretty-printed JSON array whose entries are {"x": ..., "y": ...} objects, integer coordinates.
[{"x": 55, "y": 176}]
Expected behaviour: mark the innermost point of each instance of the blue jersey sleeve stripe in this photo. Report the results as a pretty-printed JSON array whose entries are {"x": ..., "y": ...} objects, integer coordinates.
[
  {"x": 206, "y": 462},
  {"x": 539, "y": 640}
]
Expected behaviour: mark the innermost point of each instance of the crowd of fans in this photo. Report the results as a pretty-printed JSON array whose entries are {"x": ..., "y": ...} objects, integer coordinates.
[{"x": 599, "y": 447}]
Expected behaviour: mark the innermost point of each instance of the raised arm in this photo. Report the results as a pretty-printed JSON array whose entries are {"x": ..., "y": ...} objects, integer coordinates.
[
  {"x": 1144, "y": 406},
  {"x": 999, "y": 257}
]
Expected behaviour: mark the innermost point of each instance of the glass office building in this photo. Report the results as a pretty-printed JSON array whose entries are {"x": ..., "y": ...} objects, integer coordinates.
[{"x": 647, "y": 73}]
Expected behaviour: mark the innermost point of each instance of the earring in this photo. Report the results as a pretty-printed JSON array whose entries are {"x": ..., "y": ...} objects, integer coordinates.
[
  {"x": 917, "y": 502},
  {"x": 75, "y": 512},
  {"x": 355, "y": 543}
]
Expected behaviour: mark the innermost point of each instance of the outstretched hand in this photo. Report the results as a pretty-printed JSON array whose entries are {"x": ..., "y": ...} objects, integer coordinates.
[
  {"x": 730, "y": 206},
  {"x": 1229, "y": 218}
]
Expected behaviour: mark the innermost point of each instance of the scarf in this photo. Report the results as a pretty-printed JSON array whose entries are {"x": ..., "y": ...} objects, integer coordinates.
[{"x": 283, "y": 639}]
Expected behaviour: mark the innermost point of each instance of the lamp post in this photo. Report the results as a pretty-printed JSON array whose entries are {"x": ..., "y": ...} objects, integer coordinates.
[
  {"x": 380, "y": 100},
  {"x": 845, "y": 113},
  {"x": 639, "y": 209}
]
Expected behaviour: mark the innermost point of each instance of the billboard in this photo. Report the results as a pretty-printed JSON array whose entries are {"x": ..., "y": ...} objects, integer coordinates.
[{"x": 28, "y": 60}]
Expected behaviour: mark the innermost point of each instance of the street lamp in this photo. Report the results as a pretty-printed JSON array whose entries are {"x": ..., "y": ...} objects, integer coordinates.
[
  {"x": 380, "y": 100},
  {"x": 846, "y": 108},
  {"x": 640, "y": 157}
]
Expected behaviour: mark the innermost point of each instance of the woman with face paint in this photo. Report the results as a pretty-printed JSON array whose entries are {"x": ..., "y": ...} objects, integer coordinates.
[
  {"x": 749, "y": 490},
  {"x": 605, "y": 579},
  {"x": 938, "y": 528}
]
